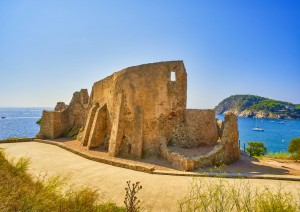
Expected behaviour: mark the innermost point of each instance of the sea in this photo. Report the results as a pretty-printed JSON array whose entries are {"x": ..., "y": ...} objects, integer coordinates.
[
  {"x": 277, "y": 134},
  {"x": 20, "y": 122}
]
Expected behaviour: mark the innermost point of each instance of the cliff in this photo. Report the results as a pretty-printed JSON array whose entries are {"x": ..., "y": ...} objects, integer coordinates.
[{"x": 259, "y": 107}]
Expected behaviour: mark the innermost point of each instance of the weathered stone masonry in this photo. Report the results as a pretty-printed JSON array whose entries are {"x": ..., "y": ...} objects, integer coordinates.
[{"x": 140, "y": 111}]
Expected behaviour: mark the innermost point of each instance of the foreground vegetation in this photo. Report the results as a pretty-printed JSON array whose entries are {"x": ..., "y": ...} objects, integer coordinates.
[
  {"x": 211, "y": 194},
  {"x": 282, "y": 156},
  {"x": 19, "y": 192}
]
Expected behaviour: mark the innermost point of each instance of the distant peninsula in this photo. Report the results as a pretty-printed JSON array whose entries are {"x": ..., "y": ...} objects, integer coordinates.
[{"x": 258, "y": 107}]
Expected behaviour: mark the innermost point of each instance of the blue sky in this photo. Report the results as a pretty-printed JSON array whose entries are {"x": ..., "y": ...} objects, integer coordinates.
[{"x": 50, "y": 49}]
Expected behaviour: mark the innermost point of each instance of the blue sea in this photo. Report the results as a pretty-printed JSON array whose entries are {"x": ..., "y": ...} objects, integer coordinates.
[
  {"x": 276, "y": 136},
  {"x": 19, "y": 122}
]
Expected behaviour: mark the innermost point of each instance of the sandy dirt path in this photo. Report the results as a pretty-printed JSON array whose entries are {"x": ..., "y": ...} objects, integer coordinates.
[{"x": 160, "y": 191}]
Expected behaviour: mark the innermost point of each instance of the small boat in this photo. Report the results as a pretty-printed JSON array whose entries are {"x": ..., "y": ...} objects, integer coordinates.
[
  {"x": 258, "y": 129},
  {"x": 280, "y": 122}
]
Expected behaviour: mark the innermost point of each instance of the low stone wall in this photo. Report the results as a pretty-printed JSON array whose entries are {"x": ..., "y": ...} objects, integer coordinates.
[
  {"x": 177, "y": 160},
  {"x": 98, "y": 159},
  {"x": 183, "y": 163},
  {"x": 225, "y": 152}
]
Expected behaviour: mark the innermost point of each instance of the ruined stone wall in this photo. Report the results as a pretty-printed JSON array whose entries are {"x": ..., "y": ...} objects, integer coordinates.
[
  {"x": 65, "y": 120},
  {"x": 53, "y": 124},
  {"x": 137, "y": 99},
  {"x": 201, "y": 127},
  {"x": 102, "y": 96},
  {"x": 156, "y": 98},
  {"x": 77, "y": 112},
  {"x": 230, "y": 137}
]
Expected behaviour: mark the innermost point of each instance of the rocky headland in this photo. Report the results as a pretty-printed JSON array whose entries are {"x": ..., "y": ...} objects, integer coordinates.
[{"x": 258, "y": 107}]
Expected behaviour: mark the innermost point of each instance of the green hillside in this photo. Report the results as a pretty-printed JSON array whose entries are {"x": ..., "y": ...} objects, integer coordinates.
[{"x": 250, "y": 106}]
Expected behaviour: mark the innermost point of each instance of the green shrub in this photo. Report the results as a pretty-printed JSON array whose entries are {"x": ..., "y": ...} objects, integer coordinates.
[
  {"x": 256, "y": 148},
  {"x": 38, "y": 121},
  {"x": 294, "y": 147}
]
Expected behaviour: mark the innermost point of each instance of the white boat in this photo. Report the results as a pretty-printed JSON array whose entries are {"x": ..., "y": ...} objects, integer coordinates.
[{"x": 257, "y": 128}]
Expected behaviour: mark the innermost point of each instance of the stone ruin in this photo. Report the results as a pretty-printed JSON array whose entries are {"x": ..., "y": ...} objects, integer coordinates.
[{"x": 141, "y": 111}]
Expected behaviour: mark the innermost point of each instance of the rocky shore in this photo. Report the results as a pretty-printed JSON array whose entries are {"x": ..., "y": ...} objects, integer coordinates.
[
  {"x": 258, "y": 107},
  {"x": 259, "y": 114}
]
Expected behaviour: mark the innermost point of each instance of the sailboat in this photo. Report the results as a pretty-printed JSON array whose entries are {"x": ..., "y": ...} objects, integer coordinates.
[{"x": 257, "y": 128}]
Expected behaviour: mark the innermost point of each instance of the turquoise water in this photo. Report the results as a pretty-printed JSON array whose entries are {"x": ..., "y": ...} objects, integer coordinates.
[
  {"x": 276, "y": 136},
  {"x": 20, "y": 122}
]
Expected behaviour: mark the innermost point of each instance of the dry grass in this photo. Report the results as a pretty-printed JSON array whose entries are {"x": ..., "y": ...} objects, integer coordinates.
[
  {"x": 219, "y": 195},
  {"x": 282, "y": 155}
]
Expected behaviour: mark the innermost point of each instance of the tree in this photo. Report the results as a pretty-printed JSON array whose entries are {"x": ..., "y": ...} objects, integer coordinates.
[
  {"x": 256, "y": 148},
  {"x": 294, "y": 147}
]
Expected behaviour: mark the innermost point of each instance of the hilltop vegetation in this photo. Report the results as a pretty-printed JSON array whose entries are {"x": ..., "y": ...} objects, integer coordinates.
[{"x": 257, "y": 106}]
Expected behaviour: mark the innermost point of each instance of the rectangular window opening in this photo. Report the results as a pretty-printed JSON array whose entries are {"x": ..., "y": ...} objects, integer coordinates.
[{"x": 173, "y": 76}]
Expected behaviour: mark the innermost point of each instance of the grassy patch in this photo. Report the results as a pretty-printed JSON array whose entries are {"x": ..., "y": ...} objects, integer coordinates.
[
  {"x": 19, "y": 192},
  {"x": 207, "y": 194},
  {"x": 282, "y": 155},
  {"x": 15, "y": 138},
  {"x": 12, "y": 138}
]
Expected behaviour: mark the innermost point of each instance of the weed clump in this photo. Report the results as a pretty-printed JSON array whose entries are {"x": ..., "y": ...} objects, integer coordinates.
[{"x": 131, "y": 201}]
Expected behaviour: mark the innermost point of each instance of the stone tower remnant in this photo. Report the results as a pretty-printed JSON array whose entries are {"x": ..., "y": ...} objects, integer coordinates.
[{"x": 141, "y": 111}]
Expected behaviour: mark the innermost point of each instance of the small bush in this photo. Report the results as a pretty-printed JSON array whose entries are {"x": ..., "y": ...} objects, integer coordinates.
[
  {"x": 39, "y": 121},
  {"x": 256, "y": 148},
  {"x": 294, "y": 147}
]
